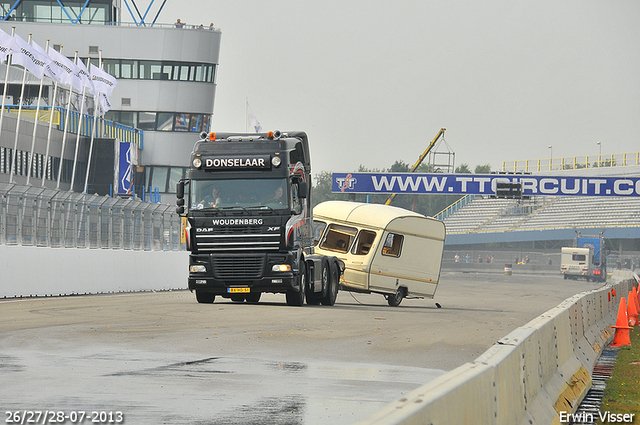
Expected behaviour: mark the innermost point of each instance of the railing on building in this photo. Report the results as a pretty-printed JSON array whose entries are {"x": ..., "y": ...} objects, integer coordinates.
[
  {"x": 572, "y": 163},
  {"x": 42, "y": 217},
  {"x": 454, "y": 207},
  {"x": 104, "y": 128}
]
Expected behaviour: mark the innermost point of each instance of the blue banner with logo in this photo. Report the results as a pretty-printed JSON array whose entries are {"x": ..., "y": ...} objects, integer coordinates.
[
  {"x": 125, "y": 172},
  {"x": 483, "y": 184}
]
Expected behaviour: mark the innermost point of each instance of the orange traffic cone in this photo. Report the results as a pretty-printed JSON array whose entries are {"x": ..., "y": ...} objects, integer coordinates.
[
  {"x": 632, "y": 309},
  {"x": 622, "y": 327}
]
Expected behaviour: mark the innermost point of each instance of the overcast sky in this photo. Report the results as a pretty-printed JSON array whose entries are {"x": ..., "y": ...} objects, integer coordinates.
[{"x": 372, "y": 82}]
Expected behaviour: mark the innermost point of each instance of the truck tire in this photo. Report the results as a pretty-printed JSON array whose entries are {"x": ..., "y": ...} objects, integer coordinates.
[
  {"x": 253, "y": 297},
  {"x": 332, "y": 289},
  {"x": 314, "y": 298},
  {"x": 395, "y": 299},
  {"x": 296, "y": 298},
  {"x": 205, "y": 297}
]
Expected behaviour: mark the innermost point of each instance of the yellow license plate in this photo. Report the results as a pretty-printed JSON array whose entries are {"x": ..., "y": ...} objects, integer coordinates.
[{"x": 238, "y": 290}]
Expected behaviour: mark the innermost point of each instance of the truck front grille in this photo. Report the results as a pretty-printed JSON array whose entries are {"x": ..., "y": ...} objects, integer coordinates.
[
  {"x": 238, "y": 266},
  {"x": 238, "y": 240}
]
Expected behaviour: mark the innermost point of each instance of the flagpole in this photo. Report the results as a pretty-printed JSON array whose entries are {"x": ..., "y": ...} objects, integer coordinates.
[
  {"x": 6, "y": 81},
  {"x": 53, "y": 108},
  {"x": 96, "y": 105},
  {"x": 246, "y": 115},
  {"x": 75, "y": 156},
  {"x": 66, "y": 127},
  {"x": 14, "y": 160},
  {"x": 35, "y": 125},
  {"x": 46, "y": 155}
]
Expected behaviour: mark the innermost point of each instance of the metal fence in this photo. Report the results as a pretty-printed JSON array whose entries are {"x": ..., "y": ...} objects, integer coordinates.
[{"x": 31, "y": 216}]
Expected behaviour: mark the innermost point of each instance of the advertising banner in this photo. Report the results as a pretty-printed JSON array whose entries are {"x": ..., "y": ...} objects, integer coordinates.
[
  {"x": 125, "y": 171},
  {"x": 483, "y": 184}
]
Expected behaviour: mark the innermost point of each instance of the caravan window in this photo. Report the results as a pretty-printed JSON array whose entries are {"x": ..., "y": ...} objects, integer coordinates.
[
  {"x": 318, "y": 228},
  {"x": 392, "y": 245},
  {"x": 364, "y": 242},
  {"x": 339, "y": 238},
  {"x": 579, "y": 257}
]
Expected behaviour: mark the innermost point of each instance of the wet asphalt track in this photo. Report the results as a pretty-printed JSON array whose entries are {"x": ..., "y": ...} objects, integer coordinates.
[{"x": 163, "y": 358}]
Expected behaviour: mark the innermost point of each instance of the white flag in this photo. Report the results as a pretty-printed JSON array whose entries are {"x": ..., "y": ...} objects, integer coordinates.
[
  {"x": 253, "y": 121},
  {"x": 5, "y": 45},
  {"x": 66, "y": 71},
  {"x": 23, "y": 54},
  {"x": 84, "y": 75},
  {"x": 102, "y": 81},
  {"x": 49, "y": 71},
  {"x": 105, "y": 105}
]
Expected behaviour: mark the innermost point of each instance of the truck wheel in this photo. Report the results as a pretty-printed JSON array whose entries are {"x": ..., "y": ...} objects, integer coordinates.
[
  {"x": 296, "y": 298},
  {"x": 205, "y": 297},
  {"x": 395, "y": 299},
  {"x": 314, "y": 298},
  {"x": 253, "y": 297},
  {"x": 332, "y": 289}
]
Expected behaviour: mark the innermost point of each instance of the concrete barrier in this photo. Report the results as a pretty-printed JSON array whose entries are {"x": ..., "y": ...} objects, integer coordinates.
[
  {"x": 528, "y": 377},
  {"x": 33, "y": 271}
]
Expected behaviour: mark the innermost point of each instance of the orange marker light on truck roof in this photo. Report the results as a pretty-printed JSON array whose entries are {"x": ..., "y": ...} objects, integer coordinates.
[
  {"x": 212, "y": 136},
  {"x": 270, "y": 135}
]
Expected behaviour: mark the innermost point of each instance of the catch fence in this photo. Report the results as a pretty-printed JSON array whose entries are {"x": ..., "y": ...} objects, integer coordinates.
[{"x": 31, "y": 216}]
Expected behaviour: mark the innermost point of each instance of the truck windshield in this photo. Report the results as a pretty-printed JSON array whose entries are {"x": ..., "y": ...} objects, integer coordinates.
[{"x": 245, "y": 193}]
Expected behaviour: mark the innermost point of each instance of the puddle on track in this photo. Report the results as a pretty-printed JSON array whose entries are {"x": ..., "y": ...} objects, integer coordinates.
[{"x": 151, "y": 387}]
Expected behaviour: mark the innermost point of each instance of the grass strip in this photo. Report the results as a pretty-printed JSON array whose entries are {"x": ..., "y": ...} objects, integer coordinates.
[{"x": 622, "y": 394}]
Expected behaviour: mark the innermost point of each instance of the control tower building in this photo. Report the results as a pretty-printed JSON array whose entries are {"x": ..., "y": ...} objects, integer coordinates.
[{"x": 166, "y": 84}]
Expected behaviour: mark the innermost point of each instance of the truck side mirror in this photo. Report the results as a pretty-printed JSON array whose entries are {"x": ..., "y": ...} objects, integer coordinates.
[
  {"x": 180, "y": 210},
  {"x": 180, "y": 190},
  {"x": 180, "y": 202},
  {"x": 303, "y": 189}
]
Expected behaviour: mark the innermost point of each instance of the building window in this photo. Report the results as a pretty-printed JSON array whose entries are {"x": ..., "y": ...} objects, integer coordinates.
[
  {"x": 159, "y": 70},
  {"x": 147, "y": 120},
  {"x": 165, "y": 121},
  {"x": 161, "y": 121},
  {"x": 175, "y": 175},
  {"x": 158, "y": 178}
]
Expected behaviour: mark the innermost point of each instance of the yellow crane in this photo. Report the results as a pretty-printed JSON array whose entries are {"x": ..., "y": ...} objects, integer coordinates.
[{"x": 417, "y": 164}]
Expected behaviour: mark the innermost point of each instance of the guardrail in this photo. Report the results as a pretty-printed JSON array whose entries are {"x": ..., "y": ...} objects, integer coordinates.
[
  {"x": 572, "y": 162},
  {"x": 531, "y": 376},
  {"x": 31, "y": 216}
]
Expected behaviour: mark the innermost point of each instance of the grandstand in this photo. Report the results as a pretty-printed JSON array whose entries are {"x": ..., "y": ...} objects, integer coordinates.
[{"x": 547, "y": 222}]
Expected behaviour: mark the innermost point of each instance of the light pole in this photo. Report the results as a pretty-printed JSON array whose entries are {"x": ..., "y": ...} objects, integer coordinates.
[
  {"x": 600, "y": 154},
  {"x": 550, "y": 156}
]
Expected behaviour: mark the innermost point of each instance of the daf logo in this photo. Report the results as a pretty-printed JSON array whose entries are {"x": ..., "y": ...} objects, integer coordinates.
[{"x": 273, "y": 229}]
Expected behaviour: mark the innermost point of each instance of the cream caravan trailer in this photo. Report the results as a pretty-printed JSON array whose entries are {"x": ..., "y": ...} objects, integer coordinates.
[{"x": 386, "y": 250}]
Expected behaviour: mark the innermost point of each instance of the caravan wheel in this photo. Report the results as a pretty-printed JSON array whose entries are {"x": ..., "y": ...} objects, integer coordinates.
[{"x": 395, "y": 299}]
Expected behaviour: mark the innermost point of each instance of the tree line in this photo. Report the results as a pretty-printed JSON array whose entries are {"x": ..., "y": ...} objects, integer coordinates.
[{"x": 429, "y": 205}]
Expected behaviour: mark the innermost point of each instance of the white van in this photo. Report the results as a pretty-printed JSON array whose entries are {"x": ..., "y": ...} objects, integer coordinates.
[
  {"x": 576, "y": 262},
  {"x": 386, "y": 250}
]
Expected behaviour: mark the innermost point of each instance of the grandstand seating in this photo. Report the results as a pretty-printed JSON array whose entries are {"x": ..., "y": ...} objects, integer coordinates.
[{"x": 486, "y": 215}]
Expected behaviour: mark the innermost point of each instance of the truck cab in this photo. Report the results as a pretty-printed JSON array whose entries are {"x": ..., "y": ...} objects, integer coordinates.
[{"x": 246, "y": 208}]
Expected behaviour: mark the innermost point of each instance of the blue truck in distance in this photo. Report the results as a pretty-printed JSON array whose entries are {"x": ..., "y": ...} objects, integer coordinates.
[{"x": 587, "y": 258}]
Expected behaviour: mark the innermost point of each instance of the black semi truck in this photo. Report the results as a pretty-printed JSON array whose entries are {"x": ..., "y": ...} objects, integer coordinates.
[{"x": 247, "y": 218}]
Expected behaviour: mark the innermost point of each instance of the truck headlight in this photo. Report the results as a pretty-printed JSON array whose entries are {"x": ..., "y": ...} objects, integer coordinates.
[
  {"x": 197, "y": 163},
  {"x": 276, "y": 161},
  {"x": 281, "y": 268},
  {"x": 197, "y": 268}
]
